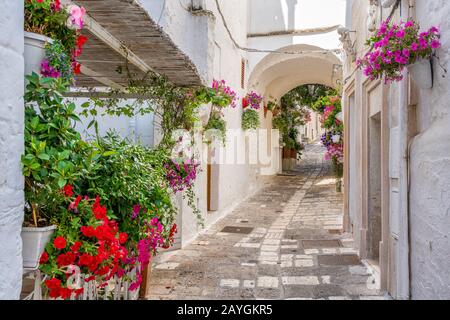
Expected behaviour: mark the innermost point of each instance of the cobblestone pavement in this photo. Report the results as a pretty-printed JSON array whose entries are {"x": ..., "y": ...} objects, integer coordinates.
[{"x": 294, "y": 247}]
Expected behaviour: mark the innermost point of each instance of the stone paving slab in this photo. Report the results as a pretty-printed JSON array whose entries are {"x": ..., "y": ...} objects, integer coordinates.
[{"x": 271, "y": 261}]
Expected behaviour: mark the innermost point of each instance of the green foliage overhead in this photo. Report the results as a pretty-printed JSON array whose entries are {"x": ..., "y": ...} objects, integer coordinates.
[{"x": 306, "y": 95}]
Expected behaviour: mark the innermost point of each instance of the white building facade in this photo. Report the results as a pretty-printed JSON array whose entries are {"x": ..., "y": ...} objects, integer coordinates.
[{"x": 398, "y": 156}]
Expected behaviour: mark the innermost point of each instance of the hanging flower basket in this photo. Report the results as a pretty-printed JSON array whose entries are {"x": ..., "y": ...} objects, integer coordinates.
[
  {"x": 422, "y": 73},
  {"x": 397, "y": 46},
  {"x": 336, "y": 138},
  {"x": 245, "y": 103},
  {"x": 34, "y": 241}
]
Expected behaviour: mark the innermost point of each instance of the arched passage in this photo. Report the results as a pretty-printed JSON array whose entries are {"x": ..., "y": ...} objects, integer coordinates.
[
  {"x": 279, "y": 72},
  {"x": 292, "y": 66}
]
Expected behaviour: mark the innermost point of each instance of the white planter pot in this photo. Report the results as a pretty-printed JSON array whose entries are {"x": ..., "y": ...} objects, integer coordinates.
[
  {"x": 336, "y": 138},
  {"x": 34, "y": 51},
  {"x": 422, "y": 73},
  {"x": 34, "y": 241}
]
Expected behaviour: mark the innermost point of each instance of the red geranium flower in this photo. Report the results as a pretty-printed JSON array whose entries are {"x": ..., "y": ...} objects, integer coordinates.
[
  {"x": 60, "y": 243},
  {"x": 53, "y": 283},
  {"x": 65, "y": 293},
  {"x": 74, "y": 205},
  {"x": 76, "y": 68},
  {"x": 81, "y": 40},
  {"x": 86, "y": 259},
  {"x": 123, "y": 237},
  {"x": 88, "y": 231},
  {"x": 65, "y": 259},
  {"x": 54, "y": 293},
  {"x": 68, "y": 190},
  {"x": 99, "y": 210},
  {"x": 44, "y": 258},
  {"x": 76, "y": 246}
]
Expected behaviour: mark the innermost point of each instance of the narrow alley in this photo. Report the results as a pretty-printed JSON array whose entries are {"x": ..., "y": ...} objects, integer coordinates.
[{"x": 285, "y": 242}]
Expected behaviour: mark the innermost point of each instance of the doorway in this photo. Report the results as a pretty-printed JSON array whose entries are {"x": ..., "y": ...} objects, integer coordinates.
[{"x": 374, "y": 188}]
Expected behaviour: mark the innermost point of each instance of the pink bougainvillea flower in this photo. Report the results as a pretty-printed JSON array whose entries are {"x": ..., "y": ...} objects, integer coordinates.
[
  {"x": 48, "y": 71},
  {"x": 435, "y": 44},
  {"x": 76, "y": 19}
]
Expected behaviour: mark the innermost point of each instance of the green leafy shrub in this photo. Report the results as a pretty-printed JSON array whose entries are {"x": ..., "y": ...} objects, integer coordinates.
[
  {"x": 131, "y": 181},
  {"x": 216, "y": 128},
  {"x": 54, "y": 154},
  {"x": 250, "y": 119}
]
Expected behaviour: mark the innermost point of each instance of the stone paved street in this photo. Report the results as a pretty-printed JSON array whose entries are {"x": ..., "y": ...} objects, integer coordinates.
[{"x": 294, "y": 248}]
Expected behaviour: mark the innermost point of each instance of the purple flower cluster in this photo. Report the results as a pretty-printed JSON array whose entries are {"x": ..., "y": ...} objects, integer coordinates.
[
  {"x": 326, "y": 138},
  {"x": 254, "y": 100},
  {"x": 181, "y": 175},
  {"x": 395, "y": 47},
  {"x": 48, "y": 71},
  {"x": 221, "y": 88}
]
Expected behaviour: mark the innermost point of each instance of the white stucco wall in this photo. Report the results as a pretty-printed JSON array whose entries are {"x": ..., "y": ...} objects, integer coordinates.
[
  {"x": 427, "y": 249},
  {"x": 136, "y": 129},
  {"x": 205, "y": 40},
  {"x": 278, "y": 15},
  {"x": 11, "y": 148},
  {"x": 430, "y": 171}
]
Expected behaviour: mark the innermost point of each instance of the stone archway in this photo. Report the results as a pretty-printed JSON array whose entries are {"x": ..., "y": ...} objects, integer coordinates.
[
  {"x": 279, "y": 72},
  {"x": 291, "y": 66}
]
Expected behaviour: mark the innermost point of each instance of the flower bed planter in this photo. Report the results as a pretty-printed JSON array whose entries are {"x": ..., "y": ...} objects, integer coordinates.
[
  {"x": 34, "y": 241},
  {"x": 422, "y": 73},
  {"x": 34, "y": 51}
]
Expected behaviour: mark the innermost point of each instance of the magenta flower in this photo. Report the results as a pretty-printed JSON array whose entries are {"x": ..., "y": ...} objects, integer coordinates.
[
  {"x": 48, "y": 71},
  {"x": 136, "y": 211},
  {"x": 396, "y": 46},
  {"x": 435, "y": 44}
]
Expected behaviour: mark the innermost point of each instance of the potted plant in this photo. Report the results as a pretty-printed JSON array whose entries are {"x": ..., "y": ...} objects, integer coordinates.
[
  {"x": 252, "y": 100},
  {"x": 396, "y": 46},
  {"x": 271, "y": 106},
  {"x": 53, "y": 155},
  {"x": 45, "y": 22},
  {"x": 250, "y": 119}
]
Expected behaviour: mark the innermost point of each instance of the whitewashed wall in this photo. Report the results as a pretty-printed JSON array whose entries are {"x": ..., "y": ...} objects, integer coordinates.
[
  {"x": 430, "y": 170},
  {"x": 205, "y": 40},
  {"x": 11, "y": 148},
  {"x": 424, "y": 115},
  {"x": 137, "y": 129},
  {"x": 278, "y": 15}
]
